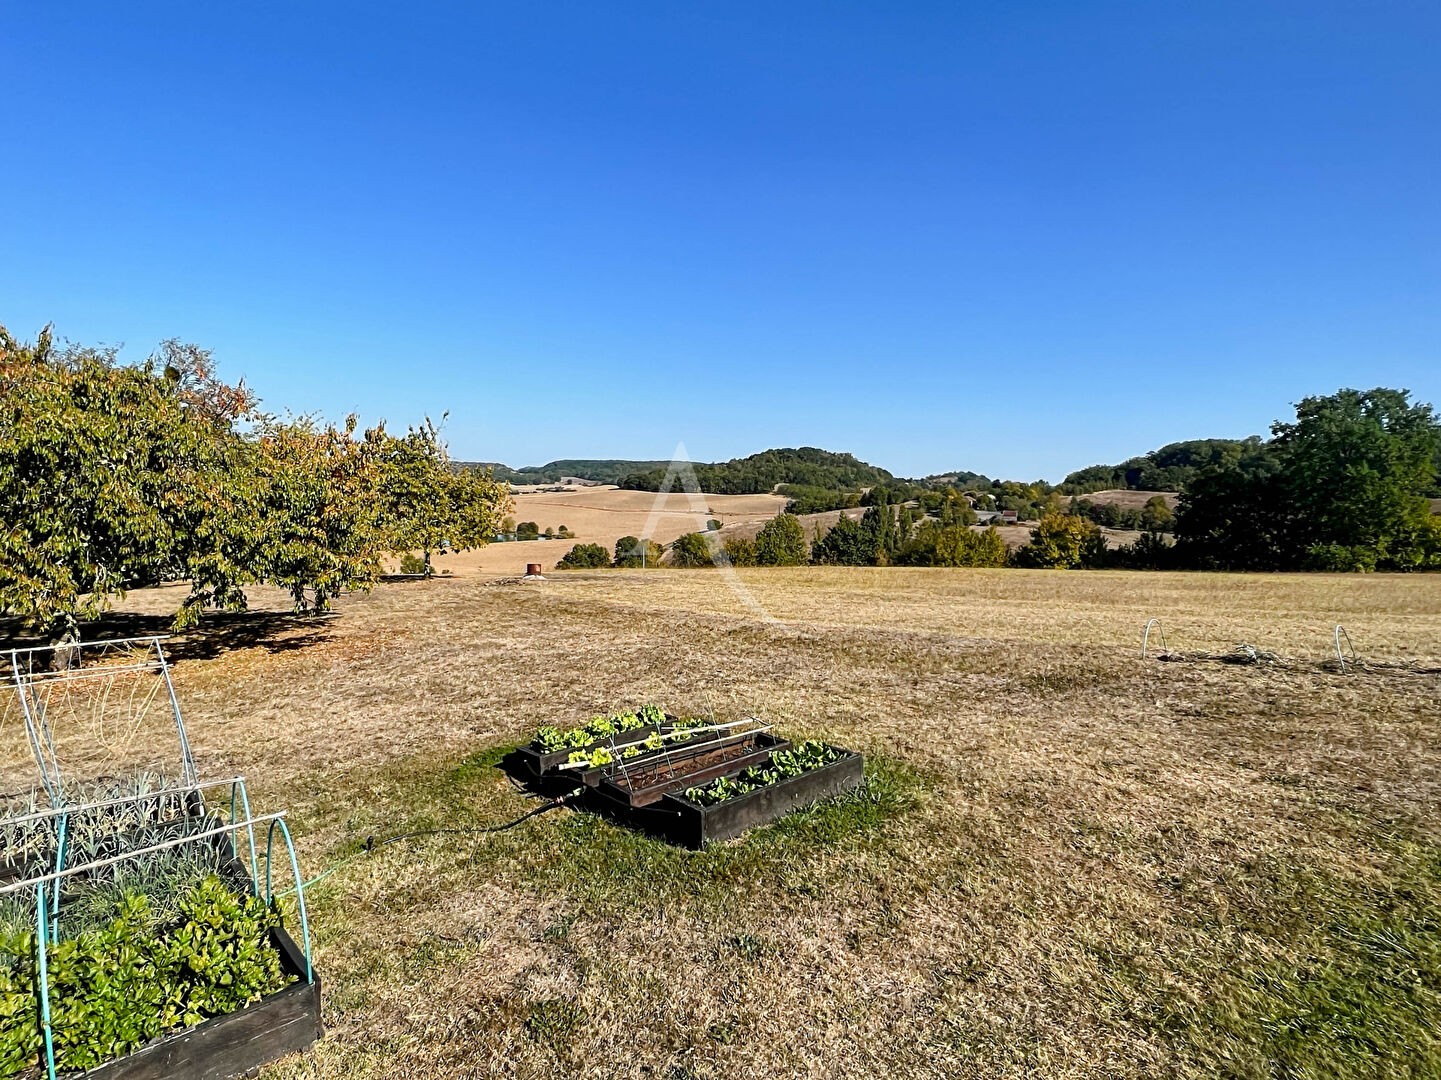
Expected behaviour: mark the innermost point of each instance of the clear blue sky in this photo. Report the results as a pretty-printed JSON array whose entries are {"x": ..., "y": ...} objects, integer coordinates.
[{"x": 1012, "y": 237}]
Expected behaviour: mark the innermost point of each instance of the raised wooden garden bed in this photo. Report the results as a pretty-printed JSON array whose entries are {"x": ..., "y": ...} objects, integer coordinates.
[
  {"x": 644, "y": 780},
  {"x": 539, "y": 764},
  {"x": 234, "y": 1045},
  {"x": 692, "y": 825}
]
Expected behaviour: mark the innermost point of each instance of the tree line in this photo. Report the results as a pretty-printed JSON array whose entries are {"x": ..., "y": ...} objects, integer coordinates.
[
  {"x": 1345, "y": 486},
  {"x": 114, "y": 476},
  {"x": 762, "y": 473}
]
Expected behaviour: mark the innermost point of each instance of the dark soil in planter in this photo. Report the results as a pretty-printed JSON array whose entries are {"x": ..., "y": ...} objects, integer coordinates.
[{"x": 646, "y": 782}]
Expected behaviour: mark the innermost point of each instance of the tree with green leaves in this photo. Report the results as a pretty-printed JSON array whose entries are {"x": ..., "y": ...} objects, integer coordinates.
[
  {"x": 1340, "y": 488},
  {"x": 846, "y": 543},
  {"x": 113, "y": 476},
  {"x": 935, "y": 544},
  {"x": 782, "y": 542},
  {"x": 428, "y": 505},
  {"x": 1157, "y": 516},
  {"x": 584, "y": 557},
  {"x": 691, "y": 550},
  {"x": 527, "y": 530},
  {"x": 739, "y": 551},
  {"x": 1355, "y": 467},
  {"x": 1063, "y": 542},
  {"x": 631, "y": 551}
]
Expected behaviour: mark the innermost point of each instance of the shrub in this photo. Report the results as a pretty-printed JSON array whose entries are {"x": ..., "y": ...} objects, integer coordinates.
[
  {"x": 1063, "y": 541},
  {"x": 781, "y": 542},
  {"x": 847, "y": 543},
  {"x": 411, "y": 563},
  {"x": 584, "y": 557},
  {"x": 115, "y": 987},
  {"x": 527, "y": 530},
  {"x": 739, "y": 551},
  {"x": 712, "y": 525},
  {"x": 954, "y": 545},
  {"x": 691, "y": 550}
]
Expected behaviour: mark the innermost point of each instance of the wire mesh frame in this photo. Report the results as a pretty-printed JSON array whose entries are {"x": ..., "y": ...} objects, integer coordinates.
[
  {"x": 34, "y": 674},
  {"x": 64, "y": 666},
  {"x": 47, "y": 908}
]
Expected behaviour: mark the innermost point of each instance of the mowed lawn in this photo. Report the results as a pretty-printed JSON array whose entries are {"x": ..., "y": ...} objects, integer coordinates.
[{"x": 1067, "y": 861}]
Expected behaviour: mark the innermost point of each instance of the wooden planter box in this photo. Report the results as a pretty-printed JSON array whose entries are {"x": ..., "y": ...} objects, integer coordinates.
[
  {"x": 692, "y": 825},
  {"x": 644, "y": 780},
  {"x": 538, "y": 764},
  {"x": 225, "y": 1047}
]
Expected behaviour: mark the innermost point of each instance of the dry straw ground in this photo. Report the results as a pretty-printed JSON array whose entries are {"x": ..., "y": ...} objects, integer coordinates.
[{"x": 1069, "y": 862}]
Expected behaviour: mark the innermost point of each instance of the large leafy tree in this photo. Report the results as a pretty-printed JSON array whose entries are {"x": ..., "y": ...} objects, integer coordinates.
[
  {"x": 106, "y": 473},
  {"x": 1342, "y": 487},
  {"x": 1063, "y": 542},
  {"x": 782, "y": 542},
  {"x": 846, "y": 543},
  {"x": 1356, "y": 466},
  {"x": 425, "y": 503},
  {"x": 113, "y": 476}
]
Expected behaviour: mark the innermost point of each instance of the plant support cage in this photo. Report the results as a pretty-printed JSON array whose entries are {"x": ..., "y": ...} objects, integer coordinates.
[{"x": 99, "y": 711}]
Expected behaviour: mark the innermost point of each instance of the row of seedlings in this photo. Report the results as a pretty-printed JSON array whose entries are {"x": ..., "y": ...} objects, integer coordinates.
[{"x": 690, "y": 781}]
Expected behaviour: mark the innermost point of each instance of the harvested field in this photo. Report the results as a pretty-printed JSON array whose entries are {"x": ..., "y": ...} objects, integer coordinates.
[
  {"x": 602, "y": 515},
  {"x": 1069, "y": 862},
  {"x": 1129, "y": 500}
]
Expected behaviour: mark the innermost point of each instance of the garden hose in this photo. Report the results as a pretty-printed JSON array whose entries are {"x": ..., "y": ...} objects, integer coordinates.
[{"x": 372, "y": 844}]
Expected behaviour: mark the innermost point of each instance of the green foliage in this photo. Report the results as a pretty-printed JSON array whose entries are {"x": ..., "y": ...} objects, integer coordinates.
[
  {"x": 846, "y": 543},
  {"x": 762, "y": 473},
  {"x": 411, "y": 563},
  {"x": 549, "y": 739},
  {"x": 807, "y": 499},
  {"x": 527, "y": 530},
  {"x": 425, "y": 503},
  {"x": 1345, "y": 491},
  {"x": 783, "y": 764},
  {"x": 584, "y": 557},
  {"x": 631, "y": 551},
  {"x": 1157, "y": 515},
  {"x": 935, "y": 544},
  {"x": 691, "y": 550},
  {"x": 115, "y": 988},
  {"x": 739, "y": 551},
  {"x": 781, "y": 542},
  {"x": 112, "y": 476},
  {"x": 1063, "y": 541},
  {"x": 1171, "y": 468},
  {"x": 599, "y": 470}
]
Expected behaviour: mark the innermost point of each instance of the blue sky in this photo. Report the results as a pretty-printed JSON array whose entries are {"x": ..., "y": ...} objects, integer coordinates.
[{"x": 1017, "y": 238}]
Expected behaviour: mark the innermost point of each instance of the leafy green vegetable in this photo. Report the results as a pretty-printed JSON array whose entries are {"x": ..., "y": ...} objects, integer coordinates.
[
  {"x": 146, "y": 972},
  {"x": 802, "y": 758},
  {"x": 549, "y": 739}
]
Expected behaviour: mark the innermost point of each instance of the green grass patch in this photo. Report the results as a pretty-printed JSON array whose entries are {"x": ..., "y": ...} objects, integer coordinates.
[
  {"x": 595, "y": 862},
  {"x": 1331, "y": 974}
]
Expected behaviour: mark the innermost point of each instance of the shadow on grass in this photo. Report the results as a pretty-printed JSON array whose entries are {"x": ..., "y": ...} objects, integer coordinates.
[{"x": 219, "y": 633}]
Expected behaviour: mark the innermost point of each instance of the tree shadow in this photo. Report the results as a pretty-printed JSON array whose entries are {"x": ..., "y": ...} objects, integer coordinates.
[{"x": 218, "y": 633}]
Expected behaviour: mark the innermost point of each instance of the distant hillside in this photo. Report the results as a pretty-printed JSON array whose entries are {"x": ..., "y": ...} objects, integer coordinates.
[
  {"x": 1170, "y": 468},
  {"x": 601, "y": 470},
  {"x": 761, "y": 473}
]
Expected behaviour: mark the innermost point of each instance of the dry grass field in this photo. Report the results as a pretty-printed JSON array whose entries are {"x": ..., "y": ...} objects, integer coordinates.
[
  {"x": 1127, "y": 499},
  {"x": 1067, "y": 862},
  {"x": 602, "y": 515}
]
